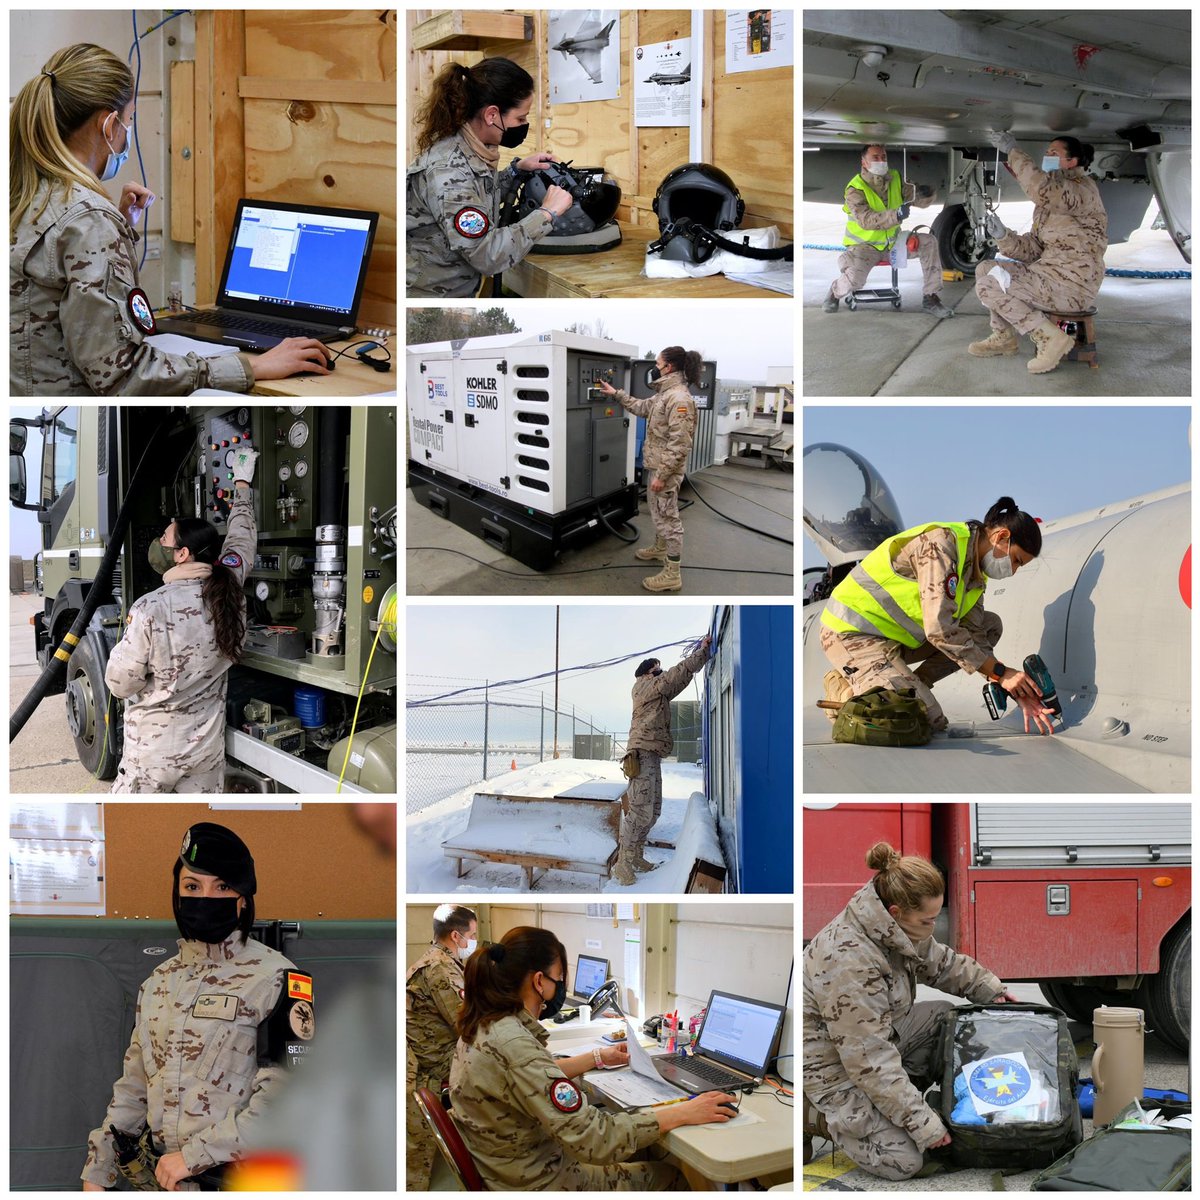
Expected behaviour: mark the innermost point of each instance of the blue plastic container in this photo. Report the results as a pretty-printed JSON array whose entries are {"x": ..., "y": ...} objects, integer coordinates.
[{"x": 310, "y": 707}]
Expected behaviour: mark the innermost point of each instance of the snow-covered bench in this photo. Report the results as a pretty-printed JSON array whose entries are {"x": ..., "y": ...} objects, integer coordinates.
[{"x": 574, "y": 831}]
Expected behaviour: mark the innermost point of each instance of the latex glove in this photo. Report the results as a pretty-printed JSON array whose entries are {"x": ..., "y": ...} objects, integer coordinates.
[
  {"x": 135, "y": 199},
  {"x": 1003, "y": 141},
  {"x": 995, "y": 227},
  {"x": 244, "y": 459},
  {"x": 903, "y": 211}
]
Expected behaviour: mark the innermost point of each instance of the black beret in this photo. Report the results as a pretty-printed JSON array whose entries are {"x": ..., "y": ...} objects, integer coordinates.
[{"x": 215, "y": 850}]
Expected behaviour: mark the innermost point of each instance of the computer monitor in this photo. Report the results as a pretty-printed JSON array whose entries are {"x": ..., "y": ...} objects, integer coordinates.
[
  {"x": 299, "y": 261},
  {"x": 590, "y": 973},
  {"x": 739, "y": 1032}
]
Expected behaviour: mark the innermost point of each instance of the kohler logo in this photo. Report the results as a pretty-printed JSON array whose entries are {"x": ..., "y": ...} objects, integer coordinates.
[{"x": 481, "y": 383}]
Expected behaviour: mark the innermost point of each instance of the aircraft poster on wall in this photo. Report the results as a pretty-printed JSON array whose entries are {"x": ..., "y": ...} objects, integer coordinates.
[
  {"x": 585, "y": 55},
  {"x": 662, "y": 83}
]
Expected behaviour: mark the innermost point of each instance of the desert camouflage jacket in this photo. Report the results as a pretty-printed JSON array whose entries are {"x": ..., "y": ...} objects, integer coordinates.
[{"x": 670, "y": 427}]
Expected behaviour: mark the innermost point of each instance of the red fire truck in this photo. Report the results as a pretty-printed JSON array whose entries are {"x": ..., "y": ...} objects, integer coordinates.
[{"x": 1091, "y": 901}]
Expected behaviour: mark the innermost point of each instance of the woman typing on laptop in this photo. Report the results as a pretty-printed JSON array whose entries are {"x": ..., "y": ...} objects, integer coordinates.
[{"x": 78, "y": 319}]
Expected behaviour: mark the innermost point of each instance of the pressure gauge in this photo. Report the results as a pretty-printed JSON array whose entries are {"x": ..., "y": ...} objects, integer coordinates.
[
  {"x": 301, "y": 467},
  {"x": 243, "y": 417},
  {"x": 296, "y": 409},
  {"x": 296, "y": 563},
  {"x": 285, "y": 472},
  {"x": 262, "y": 590},
  {"x": 298, "y": 435}
]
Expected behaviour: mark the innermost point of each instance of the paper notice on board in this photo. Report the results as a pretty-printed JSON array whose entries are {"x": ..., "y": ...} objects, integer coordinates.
[
  {"x": 56, "y": 860},
  {"x": 633, "y": 962},
  {"x": 662, "y": 83},
  {"x": 758, "y": 38}
]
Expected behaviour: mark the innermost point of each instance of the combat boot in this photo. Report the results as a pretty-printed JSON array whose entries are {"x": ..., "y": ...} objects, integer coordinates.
[
  {"x": 815, "y": 1125},
  {"x": 837, "y": 690},
  {"x": 1000, "y": 341},
  {"x": 667, "y": 580},
  {"x": 623, "y": 871},
  {"x": 655, "y": 553},
  {"x": 935, "y": 308},
  {"x": 831, "y": 301},
  {"x": 639, "y": 860},
  {"x": 1051, "y": 345}
]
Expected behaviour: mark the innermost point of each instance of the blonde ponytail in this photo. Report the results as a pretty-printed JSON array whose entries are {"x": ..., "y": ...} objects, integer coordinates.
[
  {"x": 903, "y": 879},
  {"x": 75, "y": 83}
]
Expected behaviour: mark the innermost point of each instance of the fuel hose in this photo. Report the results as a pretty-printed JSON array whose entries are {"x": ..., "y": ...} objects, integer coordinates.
[{"x": 57, "y": 665}]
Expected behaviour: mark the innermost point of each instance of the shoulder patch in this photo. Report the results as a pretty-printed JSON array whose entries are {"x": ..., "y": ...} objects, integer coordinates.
[
  {"x": 565, "y": 1096},
  {"x": 232, "y": 559},
  {"x": 299, "y": 985},
  {"x": 471, "y": 222},
  {"x": 140, "y": 311},
  {"x": 951, "y": 586},
  {"x": 682, "y": 409}
]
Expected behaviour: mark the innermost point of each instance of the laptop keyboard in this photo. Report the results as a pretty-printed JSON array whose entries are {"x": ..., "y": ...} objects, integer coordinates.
[
  {"x": 711, "y": 1072},
  {"x": 229, "y": 320}
]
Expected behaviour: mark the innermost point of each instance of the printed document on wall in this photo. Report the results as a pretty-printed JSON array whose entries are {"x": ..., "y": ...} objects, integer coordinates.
[
  {"x": 56, "y": 860},
  {"x": 758, "y": 38}
]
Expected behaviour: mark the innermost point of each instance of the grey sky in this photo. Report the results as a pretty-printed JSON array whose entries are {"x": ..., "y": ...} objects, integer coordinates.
[
  {"x": 453, "y": 646},
  {"x": 742, "y": 339}
]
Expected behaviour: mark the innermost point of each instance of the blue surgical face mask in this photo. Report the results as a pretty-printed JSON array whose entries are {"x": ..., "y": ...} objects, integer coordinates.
[
  {"x": 115, "y": 161},
  {"x": 1051, "y": 162}
]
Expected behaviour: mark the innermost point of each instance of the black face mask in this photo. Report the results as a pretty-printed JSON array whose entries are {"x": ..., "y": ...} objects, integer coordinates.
[
  {"x": 513, "y": 137},
  {"x": 551, "y": 1007},
  {"x": 207, "y": 920},
  {"x": 654, "y": 375},
  {"x": 656, "y": 671}
]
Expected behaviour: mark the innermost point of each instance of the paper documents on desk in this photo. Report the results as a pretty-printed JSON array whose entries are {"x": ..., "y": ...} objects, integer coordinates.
[
  {"x": 632, "y": 1090},
  {"x": 176, "y": 343},
  {"x": 639, "y": 1060}
]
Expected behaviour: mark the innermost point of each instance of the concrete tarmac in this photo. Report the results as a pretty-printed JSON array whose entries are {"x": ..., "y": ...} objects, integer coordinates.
[
  {"x": 1165, "y": 1067},
  {"x": 719, "y": 557},
  {"x": 42, "y": 758},
  {"x": 1143, "y": 328}
]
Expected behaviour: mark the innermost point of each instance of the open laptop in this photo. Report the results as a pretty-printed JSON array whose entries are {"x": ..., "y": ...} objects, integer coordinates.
[
  {"x": 291, "y": 270},
  {"x": 734, "y": 1047},
  {"x": 590, "y": 973}
]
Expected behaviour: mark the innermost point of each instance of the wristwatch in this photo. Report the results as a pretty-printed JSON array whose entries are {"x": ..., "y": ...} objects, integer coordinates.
[{"x": 997, "y": 672}]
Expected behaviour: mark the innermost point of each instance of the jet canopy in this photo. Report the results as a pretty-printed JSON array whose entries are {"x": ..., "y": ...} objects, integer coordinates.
[{"x": 848, "y": 509}]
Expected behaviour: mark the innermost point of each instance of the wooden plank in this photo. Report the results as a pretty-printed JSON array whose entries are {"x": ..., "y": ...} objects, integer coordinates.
[
  {"x": 337, "y": 91},
  {"x": 469, "y": 30},
  {"x": 206, "y": 284},
  {"x": 342, "y": 44},
  {"x": 183, "y": 151}
]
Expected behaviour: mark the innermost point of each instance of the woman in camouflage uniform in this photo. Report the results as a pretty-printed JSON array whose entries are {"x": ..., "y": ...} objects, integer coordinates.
[
  {"x": 526, "y": 1123},
  {"x": 868, "y": 1048}
]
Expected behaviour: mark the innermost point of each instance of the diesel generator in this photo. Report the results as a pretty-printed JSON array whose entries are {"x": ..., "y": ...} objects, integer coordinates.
[
  {"x": 313, "y": 699},
  {"x": 511, "y": 438}
]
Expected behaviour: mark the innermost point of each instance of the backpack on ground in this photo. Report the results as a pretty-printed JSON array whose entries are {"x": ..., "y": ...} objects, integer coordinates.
[
  {"x": 1127, "y": 1160},
  {"x": 883, "y": 718},
  {"x": 1009, "y": 1083}
]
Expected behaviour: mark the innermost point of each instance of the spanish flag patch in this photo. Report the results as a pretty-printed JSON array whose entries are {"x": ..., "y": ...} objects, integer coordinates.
[
  {"x": 682, "y": 410},
  {"x": 299, "y": 987}
]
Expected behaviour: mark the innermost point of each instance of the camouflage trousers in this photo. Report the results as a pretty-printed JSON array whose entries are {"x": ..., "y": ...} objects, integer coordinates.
[
  {"x": 859, "y": 1129},
  {"x": 142, "y": 777},
  {"x": 645, "y": 802},
  {"x": 420, "y": 1148},
  {"x": 623, "y": 1177},
  {"x": 1014, "y": 293},
  {"x": 857, "y": 262},
  {"x": 867, "y": 661},
  {"x": 664, "y": 512}
]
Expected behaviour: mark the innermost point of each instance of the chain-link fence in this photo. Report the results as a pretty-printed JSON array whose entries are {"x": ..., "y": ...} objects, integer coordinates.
[{"x": 453, "y": 744}]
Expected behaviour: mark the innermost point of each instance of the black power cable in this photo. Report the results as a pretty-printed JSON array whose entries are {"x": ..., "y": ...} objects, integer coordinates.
[{"x": 740, "y": 524}]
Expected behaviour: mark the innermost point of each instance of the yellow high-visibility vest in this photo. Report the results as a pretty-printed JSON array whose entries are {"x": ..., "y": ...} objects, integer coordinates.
[
  {"x": 874, "y": 599},
  {"x": 881, "y": 239}
]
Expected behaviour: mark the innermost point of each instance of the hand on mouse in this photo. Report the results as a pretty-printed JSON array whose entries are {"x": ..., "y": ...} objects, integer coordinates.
[
  {"x": 292, "y": 357},
  {"x": 704, "y": 1109}
]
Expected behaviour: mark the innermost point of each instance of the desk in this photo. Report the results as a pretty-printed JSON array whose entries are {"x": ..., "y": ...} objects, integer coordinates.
[
  {"x": 731, "y": 1155},
  {"x": 573, "y": 1032},
  {"x": 617, "y": 273}
]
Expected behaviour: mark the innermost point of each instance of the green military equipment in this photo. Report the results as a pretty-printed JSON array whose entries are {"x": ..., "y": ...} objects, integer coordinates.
[
  {"x": 882, "y": 717},
  {"x": 1019, "y": 1062},
  {"x": 137, "y": 1158},
  {"x": 1116, "y": 1159}
]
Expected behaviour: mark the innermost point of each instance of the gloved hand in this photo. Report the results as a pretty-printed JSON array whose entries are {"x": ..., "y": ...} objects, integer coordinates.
[
  {"x": 242, "y": 466},
  {"x": 903, "y": 211},
  {"x": 1004, "y": 142},
  {"x": 995, "y": 227}
]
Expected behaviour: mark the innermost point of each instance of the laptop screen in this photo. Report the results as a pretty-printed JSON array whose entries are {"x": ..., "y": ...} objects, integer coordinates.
[
  {"x": 314, "y": 259},
  {"x": 590, "y": 973},
  {"x": 740, "y": 1032}
]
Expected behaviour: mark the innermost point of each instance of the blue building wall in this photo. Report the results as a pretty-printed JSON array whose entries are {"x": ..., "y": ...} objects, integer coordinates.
[{"x": 748, "y": 743}]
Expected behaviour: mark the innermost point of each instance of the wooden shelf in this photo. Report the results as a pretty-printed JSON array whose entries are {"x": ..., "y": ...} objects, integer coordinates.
[{"x": 471, "y": 30}]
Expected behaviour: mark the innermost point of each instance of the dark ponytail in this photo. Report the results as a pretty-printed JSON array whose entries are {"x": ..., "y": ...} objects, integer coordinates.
[
  {"x": 1078, "y": 150},
  {"x": 221, "y": 593},
  {"x": 687, "y": 362},
  {"x": 1025, "y": 531},
  {"x": 459, "y": 92},
  {"x": 493, "y": 978}
]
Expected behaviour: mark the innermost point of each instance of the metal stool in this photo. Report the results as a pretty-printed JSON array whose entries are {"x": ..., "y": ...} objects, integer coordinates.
[
  {"x": 877, "y": 295},
  {"x": 1084, "y": 324}
]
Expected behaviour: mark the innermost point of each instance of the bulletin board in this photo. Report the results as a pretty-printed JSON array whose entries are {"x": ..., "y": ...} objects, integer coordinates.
[{"x": 314, "y": 864}]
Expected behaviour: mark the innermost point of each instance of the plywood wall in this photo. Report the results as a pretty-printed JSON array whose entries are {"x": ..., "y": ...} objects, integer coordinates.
[{"x": 750, "y": 117}]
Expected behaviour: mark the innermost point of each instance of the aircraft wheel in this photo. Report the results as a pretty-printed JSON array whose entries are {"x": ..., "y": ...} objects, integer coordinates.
[{"x": 956, "y": 241}]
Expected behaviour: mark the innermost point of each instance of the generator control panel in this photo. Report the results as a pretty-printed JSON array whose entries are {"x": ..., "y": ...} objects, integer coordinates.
[{"x": 584, "y": 373}]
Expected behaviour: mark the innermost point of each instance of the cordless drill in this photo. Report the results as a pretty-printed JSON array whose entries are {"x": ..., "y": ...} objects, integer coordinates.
[{"x": 996, "y": 698}]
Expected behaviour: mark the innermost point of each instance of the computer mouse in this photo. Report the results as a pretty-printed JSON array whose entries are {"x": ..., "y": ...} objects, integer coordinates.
[{"x": 733, "y": 1108}]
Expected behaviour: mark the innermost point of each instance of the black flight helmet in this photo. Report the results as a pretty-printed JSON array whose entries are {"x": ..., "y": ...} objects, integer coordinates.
[{"x": 694, "y": 198}]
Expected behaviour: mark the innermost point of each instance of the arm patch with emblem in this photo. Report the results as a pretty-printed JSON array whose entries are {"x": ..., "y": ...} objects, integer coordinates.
[{"x": 285, "y": 1037}]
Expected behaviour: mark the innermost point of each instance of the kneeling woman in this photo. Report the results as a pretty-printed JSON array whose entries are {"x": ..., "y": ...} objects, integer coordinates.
[
  {"x": 526, "y": 1123},
  {"x": 868, "y": 1048}
]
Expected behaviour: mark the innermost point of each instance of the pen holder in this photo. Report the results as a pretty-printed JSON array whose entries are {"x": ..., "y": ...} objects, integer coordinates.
[
  {"x": 585, "y": 1014},
  {"x": 673, "y": 1041}
]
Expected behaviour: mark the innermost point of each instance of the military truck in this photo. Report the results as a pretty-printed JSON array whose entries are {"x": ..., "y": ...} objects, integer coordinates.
[{"x": 314, "y": 697}]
